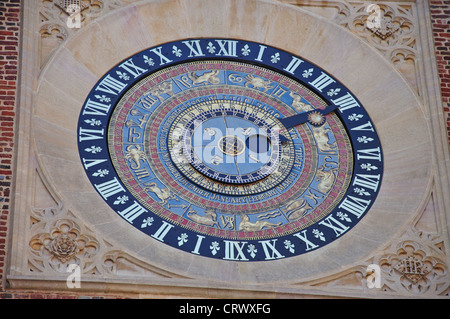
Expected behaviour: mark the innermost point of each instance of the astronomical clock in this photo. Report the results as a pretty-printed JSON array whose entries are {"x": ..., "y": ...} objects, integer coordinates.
[{"x": 230, "y": 149}]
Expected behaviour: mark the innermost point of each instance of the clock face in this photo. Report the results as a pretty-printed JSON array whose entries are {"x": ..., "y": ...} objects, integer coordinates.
[{"x": 230, "y": 149}]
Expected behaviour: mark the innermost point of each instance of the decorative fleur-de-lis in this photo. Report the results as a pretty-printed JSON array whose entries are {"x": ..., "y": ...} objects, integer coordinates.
[{"x": 214, "y": 247}]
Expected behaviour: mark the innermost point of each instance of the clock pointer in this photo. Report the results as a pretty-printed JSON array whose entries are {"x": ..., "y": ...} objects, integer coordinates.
[{"x": 315, "y": 117}]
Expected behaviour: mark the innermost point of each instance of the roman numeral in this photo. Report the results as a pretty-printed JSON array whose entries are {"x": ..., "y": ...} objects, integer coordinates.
[
  {"x": 322, "y": 82},
  {"x": 92, "y": 162},
  {"x": 346, "y": 102},
  {"x": 227, "y": 47},
  {"x": 129, "y": 66},
  {"x": 132, "y": 212},
  {"x": 110, "y": 85},
  {"x": 163, "y": 59},
  {"x": 269, "y": 249},
  {"x": 162, "y": 231},
  {"x": 335, "y": 225},
  {"x": 96, "y": 108},
  {"x": 88, "y": 134},
  {"x": 367, "y": 181},
  {"x": 293, "y": 65},
  {"x": 356, "y": 206},
  {"x": 364, "y": 127},
  {"x": 198, "y": 244},
  {"x": 302, "y": 236},
  {"x": 233, "y": 250},
  {"x": 194, "y": 51},
  {"x": 109, "y": 188},
  {"x": 261, "y": 52},
  {"x": 370, "y": 154}
]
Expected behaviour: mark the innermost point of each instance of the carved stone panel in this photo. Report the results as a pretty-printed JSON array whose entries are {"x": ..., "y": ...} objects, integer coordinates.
[
  {"x": 389, "y": 27},
  {"x": 59, "y": 19}
]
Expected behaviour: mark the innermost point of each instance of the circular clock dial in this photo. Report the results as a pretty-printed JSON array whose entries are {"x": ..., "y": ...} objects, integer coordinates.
[
  {"x": 230, "y": 149},
  {"x": 227, "y": 141}
]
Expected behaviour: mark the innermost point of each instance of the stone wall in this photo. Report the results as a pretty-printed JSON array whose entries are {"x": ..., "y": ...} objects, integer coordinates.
[{"x": 10, "y": 14}]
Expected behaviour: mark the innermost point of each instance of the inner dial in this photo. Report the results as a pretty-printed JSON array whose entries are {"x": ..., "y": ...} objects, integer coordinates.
[
  {"x": 184, "y": 146},
  {"x": 197, "y": 144},
  {"x": 229, "y": 142}
]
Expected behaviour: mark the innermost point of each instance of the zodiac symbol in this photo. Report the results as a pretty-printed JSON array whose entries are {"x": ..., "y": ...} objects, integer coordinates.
[
  {"x": 257, "y": 83},
  {"x": 163, "y": 194},
  {"x": 297, "y": 209},
  {"x": 142, "y": 121},
  {"x": 312, "y": 196},
  {"x": 135, "y": 154},
  {"x": 227, "y": 221},
  {"x": 246, "y": 225},
  {"x": 210, "y": 77},
  {"x": 210, "y": 218},
  {"x": 322, "y": 139}
]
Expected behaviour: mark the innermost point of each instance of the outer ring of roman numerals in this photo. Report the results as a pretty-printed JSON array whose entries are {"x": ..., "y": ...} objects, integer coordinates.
[{"x": 93, "y": 149}]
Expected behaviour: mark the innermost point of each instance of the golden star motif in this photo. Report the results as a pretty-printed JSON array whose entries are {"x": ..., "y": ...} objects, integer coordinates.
[{"x": 316, "y": 119}]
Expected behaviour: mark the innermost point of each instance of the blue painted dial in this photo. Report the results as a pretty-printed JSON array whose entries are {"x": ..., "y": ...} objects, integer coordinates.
[{"x": 230, "y": 149}]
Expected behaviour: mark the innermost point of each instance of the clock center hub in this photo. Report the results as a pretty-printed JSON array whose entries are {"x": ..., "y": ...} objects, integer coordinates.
[{"x": 231, "y": 145}]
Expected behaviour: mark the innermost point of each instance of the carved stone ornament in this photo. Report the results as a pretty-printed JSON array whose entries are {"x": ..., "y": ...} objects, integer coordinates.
[
  {"x": 389, "y": 27},
  {"x": 59, "y": 19},
  {"x": 63, "y": 244},
  {"x": 71, "y": 6},
  {"x": 413, "y": 268},
  {"x": 381, "y": 26},
  {"x": 415, "y": 265}
]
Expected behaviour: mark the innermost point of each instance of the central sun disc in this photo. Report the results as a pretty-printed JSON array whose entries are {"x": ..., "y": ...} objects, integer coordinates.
[{"x": 231, "y": 145}]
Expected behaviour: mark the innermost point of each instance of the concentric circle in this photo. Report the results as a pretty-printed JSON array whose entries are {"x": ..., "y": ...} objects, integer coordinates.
[
  {"x": 210, "y": 136},
  {"x": 195, "y": 159},
  {"x": 184, "y": 171}
]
